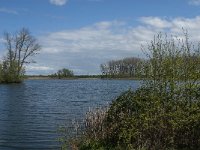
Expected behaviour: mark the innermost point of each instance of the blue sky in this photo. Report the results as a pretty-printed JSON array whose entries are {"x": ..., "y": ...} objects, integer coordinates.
[{"x": 82, "y": 34}]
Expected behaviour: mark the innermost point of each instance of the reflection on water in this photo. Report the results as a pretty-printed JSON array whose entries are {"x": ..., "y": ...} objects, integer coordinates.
[{"x": 31, "y": 112}]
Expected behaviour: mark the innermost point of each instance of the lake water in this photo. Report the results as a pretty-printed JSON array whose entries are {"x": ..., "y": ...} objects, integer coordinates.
[{"x": 32, "y": 112}]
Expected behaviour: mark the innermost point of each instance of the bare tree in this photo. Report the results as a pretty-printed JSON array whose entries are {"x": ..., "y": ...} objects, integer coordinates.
[
  {"x": 21, "y": 46},
  {"x": 120, "y": 68}
]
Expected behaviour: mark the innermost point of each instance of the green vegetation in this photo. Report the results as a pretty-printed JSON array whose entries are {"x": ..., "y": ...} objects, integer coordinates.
[
  {"x": 63, "y": 73},
  {"x": 164, "y": 113},
  {"x": 20, "y": 48}
]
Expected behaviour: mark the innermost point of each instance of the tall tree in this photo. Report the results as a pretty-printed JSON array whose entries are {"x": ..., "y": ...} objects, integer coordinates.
[{"x": 21, "y": 47}]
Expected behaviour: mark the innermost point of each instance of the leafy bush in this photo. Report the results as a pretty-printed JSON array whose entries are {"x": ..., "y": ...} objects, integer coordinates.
[
  {"x": 163, "y": 114},
  {"x": 143, "y": 120},
  {"x": 9, "y": 72}
]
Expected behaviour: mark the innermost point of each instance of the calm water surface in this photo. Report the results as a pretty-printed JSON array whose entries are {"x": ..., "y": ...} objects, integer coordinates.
[{"x": 32, "y": 112}]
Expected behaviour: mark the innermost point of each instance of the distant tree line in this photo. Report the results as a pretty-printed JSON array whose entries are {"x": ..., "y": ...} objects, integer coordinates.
[
  {"x": 126, "y": 67},
  {"x": 134, "y": 67},
  {"x": 20, "y": 47},
  {"x": 63, "y": 73}
]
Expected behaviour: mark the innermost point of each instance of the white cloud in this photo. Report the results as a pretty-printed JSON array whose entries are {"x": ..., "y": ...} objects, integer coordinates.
[
  {"x": 156, "y": 22},
  {"x": 58, "y": 2},
  {"x": 39, "y": 68},
  {"x": 1, "y": 40},
  {"x": 8, "y": 11},
  {"x": 84, "y": 49},
  {"x": 194, "y": 2},
  {"x": 175, "y": 26},
  {"x": 102, "y": 36},
  {"x": 36, "y": 69}
]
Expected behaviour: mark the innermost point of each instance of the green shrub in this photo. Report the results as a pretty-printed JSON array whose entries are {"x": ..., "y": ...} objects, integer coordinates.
[
  {"x": 144, "y": 120},
  {"x": 153, "y": 122},
  {"x": 163, "y": 114}
]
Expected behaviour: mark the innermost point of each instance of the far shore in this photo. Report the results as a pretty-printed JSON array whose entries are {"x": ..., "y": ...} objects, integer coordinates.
[{"x": 93, "y": 77}]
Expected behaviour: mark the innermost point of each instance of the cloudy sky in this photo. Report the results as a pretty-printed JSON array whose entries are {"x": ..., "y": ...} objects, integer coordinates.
[{"x": 82, "y": 34}]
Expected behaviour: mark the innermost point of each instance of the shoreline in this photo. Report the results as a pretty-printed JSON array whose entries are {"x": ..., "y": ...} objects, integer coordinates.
[{"x": 77, "y": 78}]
